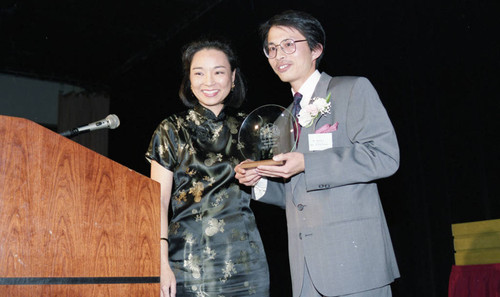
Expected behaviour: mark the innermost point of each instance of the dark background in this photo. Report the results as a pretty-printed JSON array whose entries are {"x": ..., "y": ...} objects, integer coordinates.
[{"x": 434, "y": 63}]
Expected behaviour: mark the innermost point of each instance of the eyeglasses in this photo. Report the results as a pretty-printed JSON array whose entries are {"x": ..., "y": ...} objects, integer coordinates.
[{"x": 287, "y": 46}]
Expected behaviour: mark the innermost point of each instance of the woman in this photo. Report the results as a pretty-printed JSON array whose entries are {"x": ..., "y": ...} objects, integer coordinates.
[{"x": 213, "y": 246}]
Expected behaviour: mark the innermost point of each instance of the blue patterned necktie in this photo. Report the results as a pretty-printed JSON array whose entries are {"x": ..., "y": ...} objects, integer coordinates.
[{"x": 295, "y": 110}]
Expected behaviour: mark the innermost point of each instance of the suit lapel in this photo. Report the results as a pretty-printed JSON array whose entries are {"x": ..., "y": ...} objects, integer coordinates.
[
  {"x": 322, "y": 86},
  {"x": 321, "y": 90}
]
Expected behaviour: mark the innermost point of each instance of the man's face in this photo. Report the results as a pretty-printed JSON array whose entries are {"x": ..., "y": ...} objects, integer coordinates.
[{"x": 293, "y": 68}]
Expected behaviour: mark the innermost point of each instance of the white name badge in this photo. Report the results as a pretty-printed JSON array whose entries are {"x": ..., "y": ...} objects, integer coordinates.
[{"x": 320, "y": 141}]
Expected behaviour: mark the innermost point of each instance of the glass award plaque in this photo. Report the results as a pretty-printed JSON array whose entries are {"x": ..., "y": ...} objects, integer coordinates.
[{"x": 267, "y": 131}]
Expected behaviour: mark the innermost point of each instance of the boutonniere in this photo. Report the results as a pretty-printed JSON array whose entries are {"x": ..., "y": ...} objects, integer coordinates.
[{"x": 313, "y": 109}]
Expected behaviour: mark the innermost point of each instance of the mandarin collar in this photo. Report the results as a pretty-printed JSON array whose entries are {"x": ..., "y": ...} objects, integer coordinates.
[{"x": 208, "y": 114}]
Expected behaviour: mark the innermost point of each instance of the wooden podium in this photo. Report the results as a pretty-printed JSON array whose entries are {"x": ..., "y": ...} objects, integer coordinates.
[{"x": 72, "y": 222}]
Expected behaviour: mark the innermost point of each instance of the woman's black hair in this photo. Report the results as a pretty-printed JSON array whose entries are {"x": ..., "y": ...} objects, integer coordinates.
[
  {"x": 301, "y": 21},
  {"x": 237, "y": 94}
]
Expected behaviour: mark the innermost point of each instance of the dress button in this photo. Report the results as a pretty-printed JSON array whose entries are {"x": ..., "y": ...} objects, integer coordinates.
[
  {"x": 300, "y": 207},
  {"x": 300, "y": 236}
]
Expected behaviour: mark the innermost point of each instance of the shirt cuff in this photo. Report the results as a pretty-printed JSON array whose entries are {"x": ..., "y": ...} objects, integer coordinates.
[{"x": 260, "y": 188}]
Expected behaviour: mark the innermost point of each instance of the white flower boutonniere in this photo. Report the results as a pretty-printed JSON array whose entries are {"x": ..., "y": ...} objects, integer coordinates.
[{"x": 313, "y": 109}]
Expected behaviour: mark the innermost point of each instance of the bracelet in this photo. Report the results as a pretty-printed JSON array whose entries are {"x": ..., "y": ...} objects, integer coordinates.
[{"x": 166, "y": 239}]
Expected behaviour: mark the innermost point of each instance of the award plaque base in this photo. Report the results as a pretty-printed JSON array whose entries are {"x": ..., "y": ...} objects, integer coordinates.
[{"x": 253, "y": 164}]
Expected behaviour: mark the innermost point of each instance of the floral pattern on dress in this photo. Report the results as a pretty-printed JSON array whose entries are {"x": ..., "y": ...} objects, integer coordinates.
[{"x": 215, "y": 249}]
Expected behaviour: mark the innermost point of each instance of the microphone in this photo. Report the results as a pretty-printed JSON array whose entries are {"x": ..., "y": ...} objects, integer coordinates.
[{"x": 111, "y": 121}]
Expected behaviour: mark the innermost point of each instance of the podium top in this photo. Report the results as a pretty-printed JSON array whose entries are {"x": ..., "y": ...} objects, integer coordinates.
[{"x": 68, "y": 211}]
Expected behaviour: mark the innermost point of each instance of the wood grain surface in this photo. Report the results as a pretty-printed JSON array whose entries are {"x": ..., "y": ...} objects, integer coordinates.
[{"x": 66, "y": 211}]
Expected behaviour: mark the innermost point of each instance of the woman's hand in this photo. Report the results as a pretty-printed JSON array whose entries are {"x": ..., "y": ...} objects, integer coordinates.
[{"x": 167, "y": 282}]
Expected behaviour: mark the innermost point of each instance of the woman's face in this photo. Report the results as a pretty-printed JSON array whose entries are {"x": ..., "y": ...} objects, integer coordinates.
[{"x": 211, "y": 78}]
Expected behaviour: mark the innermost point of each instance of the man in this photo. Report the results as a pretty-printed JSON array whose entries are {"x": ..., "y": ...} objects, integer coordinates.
[{"x": 339, "y": 243}]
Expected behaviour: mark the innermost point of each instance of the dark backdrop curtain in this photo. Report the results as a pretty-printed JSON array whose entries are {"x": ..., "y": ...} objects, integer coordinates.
[{"x": 436, "y": 67}]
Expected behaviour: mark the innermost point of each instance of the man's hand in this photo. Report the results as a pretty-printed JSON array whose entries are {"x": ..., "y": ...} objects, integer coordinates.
[
  {"x": 294, "y": 164},
  {"x": 248, "y": 177}
]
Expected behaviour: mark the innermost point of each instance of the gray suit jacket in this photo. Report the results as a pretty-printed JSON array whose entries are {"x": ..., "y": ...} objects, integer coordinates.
[{"x": 336, "y": 224}]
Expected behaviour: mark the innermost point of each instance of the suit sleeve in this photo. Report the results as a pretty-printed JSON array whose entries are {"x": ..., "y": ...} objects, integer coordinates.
[
  {"x": 373, "y": 152},
  {"x": 274, "y": 193}
]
